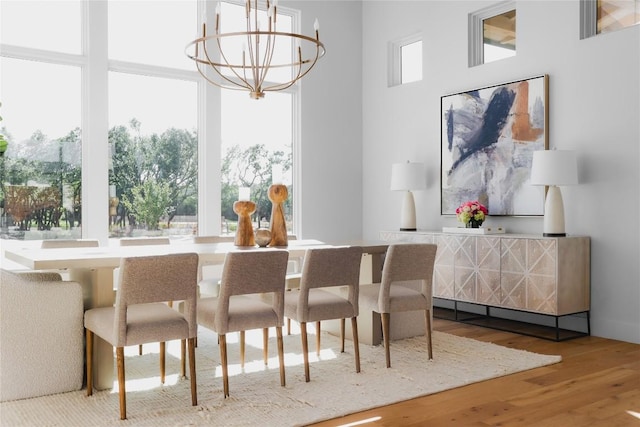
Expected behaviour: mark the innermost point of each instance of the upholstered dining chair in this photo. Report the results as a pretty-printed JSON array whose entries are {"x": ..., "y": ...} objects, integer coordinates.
[
  {"x": 69, "y": 243},
  {"x": 325, "y": 269},
  {"x": 209, "y": 285},
  {"x": 251, "y": 297},
  {"x": 141, "y": 315},
  {"x": 407, "y": 285},
  {"x": 143, "y": 241}
]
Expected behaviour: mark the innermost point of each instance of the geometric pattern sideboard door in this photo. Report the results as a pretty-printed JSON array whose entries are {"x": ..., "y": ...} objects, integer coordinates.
[
  {"x": 528, "y": 277},
  {"x": 465, "y": 268},
  {"x": 477, "y": 269},
  {"x": 542, "y": 281},
  {"x": 513, "y": 275},
  {"x": 488, "y": 287},
  {"x": 443, "y": 276}
]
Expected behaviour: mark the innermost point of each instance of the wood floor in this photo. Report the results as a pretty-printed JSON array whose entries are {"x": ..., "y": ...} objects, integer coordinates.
[{"x": 596, "y": 384}]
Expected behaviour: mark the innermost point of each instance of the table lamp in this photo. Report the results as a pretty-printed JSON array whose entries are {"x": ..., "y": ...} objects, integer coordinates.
[
  {"x": 554, "y": 168},
  {"x": 407, "y": 177}
]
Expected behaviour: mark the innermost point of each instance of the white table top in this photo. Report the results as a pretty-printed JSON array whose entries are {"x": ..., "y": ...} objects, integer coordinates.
[{"x": 110, "y": 256}]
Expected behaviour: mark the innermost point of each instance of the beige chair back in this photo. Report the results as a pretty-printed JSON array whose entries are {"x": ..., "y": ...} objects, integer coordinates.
[
  {"x": 330, "y": 267},
  {"x": 70, "y": 243},
  {"x": 157, "y": 279},
  {"x": 142, "y": 241},
  {"x": 252, "y": 272},
  {"x": 407, "y": 263}
]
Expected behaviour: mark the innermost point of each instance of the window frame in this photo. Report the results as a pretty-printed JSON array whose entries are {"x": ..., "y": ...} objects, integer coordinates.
[
  {"x": 589, "y": 19},
  {"x": 394, "y": 58},
  {"x": 476, "y": 29}
]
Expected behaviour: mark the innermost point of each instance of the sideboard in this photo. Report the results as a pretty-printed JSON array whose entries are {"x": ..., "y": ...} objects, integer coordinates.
[{"x": 547, "y": 276}]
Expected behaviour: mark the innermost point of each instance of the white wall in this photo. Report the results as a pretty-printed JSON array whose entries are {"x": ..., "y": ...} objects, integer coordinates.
[
  {"x": 331, "y": 154},
  {"x": 594, "y": 106}
]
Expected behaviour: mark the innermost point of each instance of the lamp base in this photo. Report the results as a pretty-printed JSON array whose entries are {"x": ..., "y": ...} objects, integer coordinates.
[
  {"x": 553, "y": 213},
  {"x": 408, "y": 213}
]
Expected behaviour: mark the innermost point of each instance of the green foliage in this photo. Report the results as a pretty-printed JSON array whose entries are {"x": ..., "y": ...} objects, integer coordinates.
[
  {"x": 149, "y": 202},
  {"x": 170, "y": 159}
]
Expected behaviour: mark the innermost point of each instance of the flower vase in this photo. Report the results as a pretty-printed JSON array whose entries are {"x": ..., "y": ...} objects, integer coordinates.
[{"x": 473, "y": 224}]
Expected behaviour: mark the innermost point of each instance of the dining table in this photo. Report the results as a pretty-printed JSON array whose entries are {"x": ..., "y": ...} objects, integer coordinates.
[{"x": 93, "y": 268}]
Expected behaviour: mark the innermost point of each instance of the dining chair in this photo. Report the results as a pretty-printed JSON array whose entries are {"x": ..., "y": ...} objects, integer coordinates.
[
  {"x": 209, "y": 285},
  {"x": 326, "y": 273},
  {"x": 142, "y": 241},
  {"x": 251, "y": 297},
  {"x": 406, "y": 285},
  {"x": 69, "y": 243},
  {"x": 141, "y": 315}
]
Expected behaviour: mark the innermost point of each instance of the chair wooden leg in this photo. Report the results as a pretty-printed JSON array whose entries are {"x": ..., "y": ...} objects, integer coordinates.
[
  {"x": 318, "y": 339},
  {"x": 89, "y": 362},
  {"x": 162, "y": 361},
  {"x": 385, "y": 336},
  {"x": 223, "y": 359},
  {"x": 140, "y": 350},
  {"x": 342, "y": 335},
  {"x": 283, "y": 380},
  {"x": 265, "y": 345},
  {"x": 427, "y": 316},
  {"x": 121, "y": 383},
  {"x": 356, "y": 343},
  {"x": 242, "y": 348},
  {"x": 183, "y": 370},
  {"x": 192, "y": 371},
  {"x": 288, "y": 326},
  {"x": 305, "y": 349}
]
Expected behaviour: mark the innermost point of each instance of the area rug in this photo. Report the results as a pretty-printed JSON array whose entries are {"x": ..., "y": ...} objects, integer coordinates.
[{"x": 256, "y": 395}]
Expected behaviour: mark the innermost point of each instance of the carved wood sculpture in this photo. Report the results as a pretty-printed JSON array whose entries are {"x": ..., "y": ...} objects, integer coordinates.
[
  {"x": 244, "y": 233},
  {"x": 278, "y": 193}
]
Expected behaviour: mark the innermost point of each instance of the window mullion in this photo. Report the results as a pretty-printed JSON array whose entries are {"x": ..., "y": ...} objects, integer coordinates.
[{"x": 95, "y": 114}]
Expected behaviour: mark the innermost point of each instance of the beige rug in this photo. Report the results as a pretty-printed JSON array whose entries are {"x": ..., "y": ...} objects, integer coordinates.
[{"x": 256, "y": 396}]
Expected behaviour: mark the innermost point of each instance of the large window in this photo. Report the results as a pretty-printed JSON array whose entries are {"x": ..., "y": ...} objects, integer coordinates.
[
  {"x": 40, "y": 91},
  {"x": 153, "y": 117},
  {"x": 256, "y": 141},
  {"x": 119, "y": 84},
  {"x": 153, "y": 145},
  {"x": 257, "y": 135}
]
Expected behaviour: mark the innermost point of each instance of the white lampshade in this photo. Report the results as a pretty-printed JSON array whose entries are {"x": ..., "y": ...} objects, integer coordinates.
[
  {"x": 554, "y": 167},
  {"x": 408, "y": 176}
]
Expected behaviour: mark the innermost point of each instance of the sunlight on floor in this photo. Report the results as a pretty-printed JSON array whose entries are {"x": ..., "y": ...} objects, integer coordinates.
[
  {"x": 634, "y": 414},
  {"x": 252, "y": 339},
  {"x": 361, "y": 422},
  {"x": 149, "y": 383}
]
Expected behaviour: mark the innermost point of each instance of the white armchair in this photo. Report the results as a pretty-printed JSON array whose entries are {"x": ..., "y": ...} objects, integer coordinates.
[{"x": 41, "y": 335}]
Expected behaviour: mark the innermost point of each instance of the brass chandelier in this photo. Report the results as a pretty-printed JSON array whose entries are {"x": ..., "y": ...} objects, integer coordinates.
[{"x": 220, "y": 61}]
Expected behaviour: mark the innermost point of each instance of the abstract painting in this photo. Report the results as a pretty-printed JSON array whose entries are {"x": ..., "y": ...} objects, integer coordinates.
[{"x": 488, "y": 138}]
